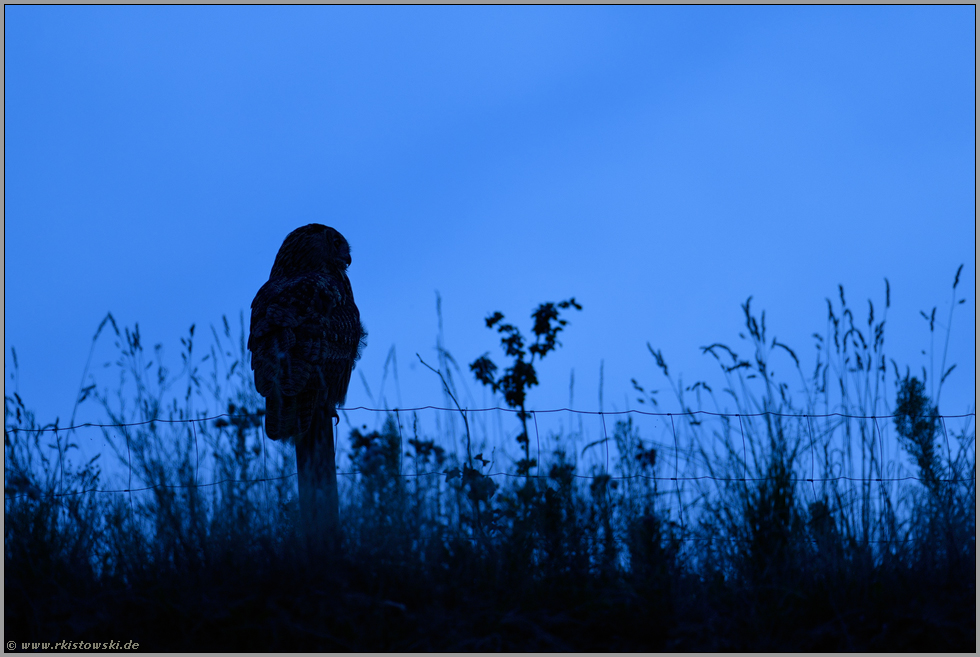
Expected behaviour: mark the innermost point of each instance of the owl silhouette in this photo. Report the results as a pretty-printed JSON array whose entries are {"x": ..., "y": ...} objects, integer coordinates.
[{"x": 305, "y": 333}]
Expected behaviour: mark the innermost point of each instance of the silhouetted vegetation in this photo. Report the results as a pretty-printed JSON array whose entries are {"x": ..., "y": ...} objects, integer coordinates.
[
  {"x": 517, "y": 379},
  {"x": 773, "y": 527}
]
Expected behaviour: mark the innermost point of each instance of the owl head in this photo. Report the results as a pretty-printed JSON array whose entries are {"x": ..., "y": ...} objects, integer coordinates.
[{"x": 309, "y": 248}]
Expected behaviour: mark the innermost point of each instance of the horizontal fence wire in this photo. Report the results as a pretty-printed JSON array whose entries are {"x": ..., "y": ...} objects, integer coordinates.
[
  {"x": 484, "y": 410},
  {"x": 675, "y": 478},
  {"x": 489, "y": 474}
]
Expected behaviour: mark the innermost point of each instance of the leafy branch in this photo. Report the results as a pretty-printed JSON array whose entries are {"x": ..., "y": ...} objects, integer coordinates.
[{"x": 517, "y": 379}]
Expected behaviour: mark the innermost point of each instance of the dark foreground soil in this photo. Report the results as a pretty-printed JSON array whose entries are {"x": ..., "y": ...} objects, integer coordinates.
[{"x": 356, "y": 608}]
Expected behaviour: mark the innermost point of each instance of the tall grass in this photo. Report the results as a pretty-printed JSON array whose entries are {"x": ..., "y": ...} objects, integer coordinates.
[{"x": 773, "y": 526}]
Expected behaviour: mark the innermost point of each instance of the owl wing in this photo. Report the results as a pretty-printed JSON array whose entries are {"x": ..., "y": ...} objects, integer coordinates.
[{"x": 305, "y": 336}]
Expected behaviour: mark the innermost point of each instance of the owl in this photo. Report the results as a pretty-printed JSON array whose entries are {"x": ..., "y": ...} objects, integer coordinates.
[{"x": 305, "y": 333}]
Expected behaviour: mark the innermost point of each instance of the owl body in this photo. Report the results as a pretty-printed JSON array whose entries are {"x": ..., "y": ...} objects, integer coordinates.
[{"x": 305, "y": 333}]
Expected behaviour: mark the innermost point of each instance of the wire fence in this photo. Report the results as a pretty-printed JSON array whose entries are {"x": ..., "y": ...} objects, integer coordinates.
[
  {"x": 676, "y": 478},
  {"x": 208, "y": 418},
  {"x": 691, "y": 415}
]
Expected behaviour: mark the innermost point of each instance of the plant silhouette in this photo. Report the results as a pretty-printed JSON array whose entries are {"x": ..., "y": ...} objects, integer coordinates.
[{"x": 521, "y": 376}]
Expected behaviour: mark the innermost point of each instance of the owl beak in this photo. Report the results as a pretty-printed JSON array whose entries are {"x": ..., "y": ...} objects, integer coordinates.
[{"x": 347, "y": 259}]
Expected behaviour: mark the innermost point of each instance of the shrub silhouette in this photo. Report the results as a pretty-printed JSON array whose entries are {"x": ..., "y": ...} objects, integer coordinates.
[{"x": 520, "y": 376}]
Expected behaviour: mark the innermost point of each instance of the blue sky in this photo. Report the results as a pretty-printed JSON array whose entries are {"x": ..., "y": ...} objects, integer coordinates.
[{"x": 660, "y": 164}]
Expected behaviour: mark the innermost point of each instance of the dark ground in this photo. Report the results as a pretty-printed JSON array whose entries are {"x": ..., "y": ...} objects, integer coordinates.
[{"x": 356, "y": 608}]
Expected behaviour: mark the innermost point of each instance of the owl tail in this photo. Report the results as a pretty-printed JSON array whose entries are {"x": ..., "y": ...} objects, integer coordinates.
[
  {"x": 281, "y": 420},
  {"x": 273, "y": 416},
  {"x": 289, "y": 417}
]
